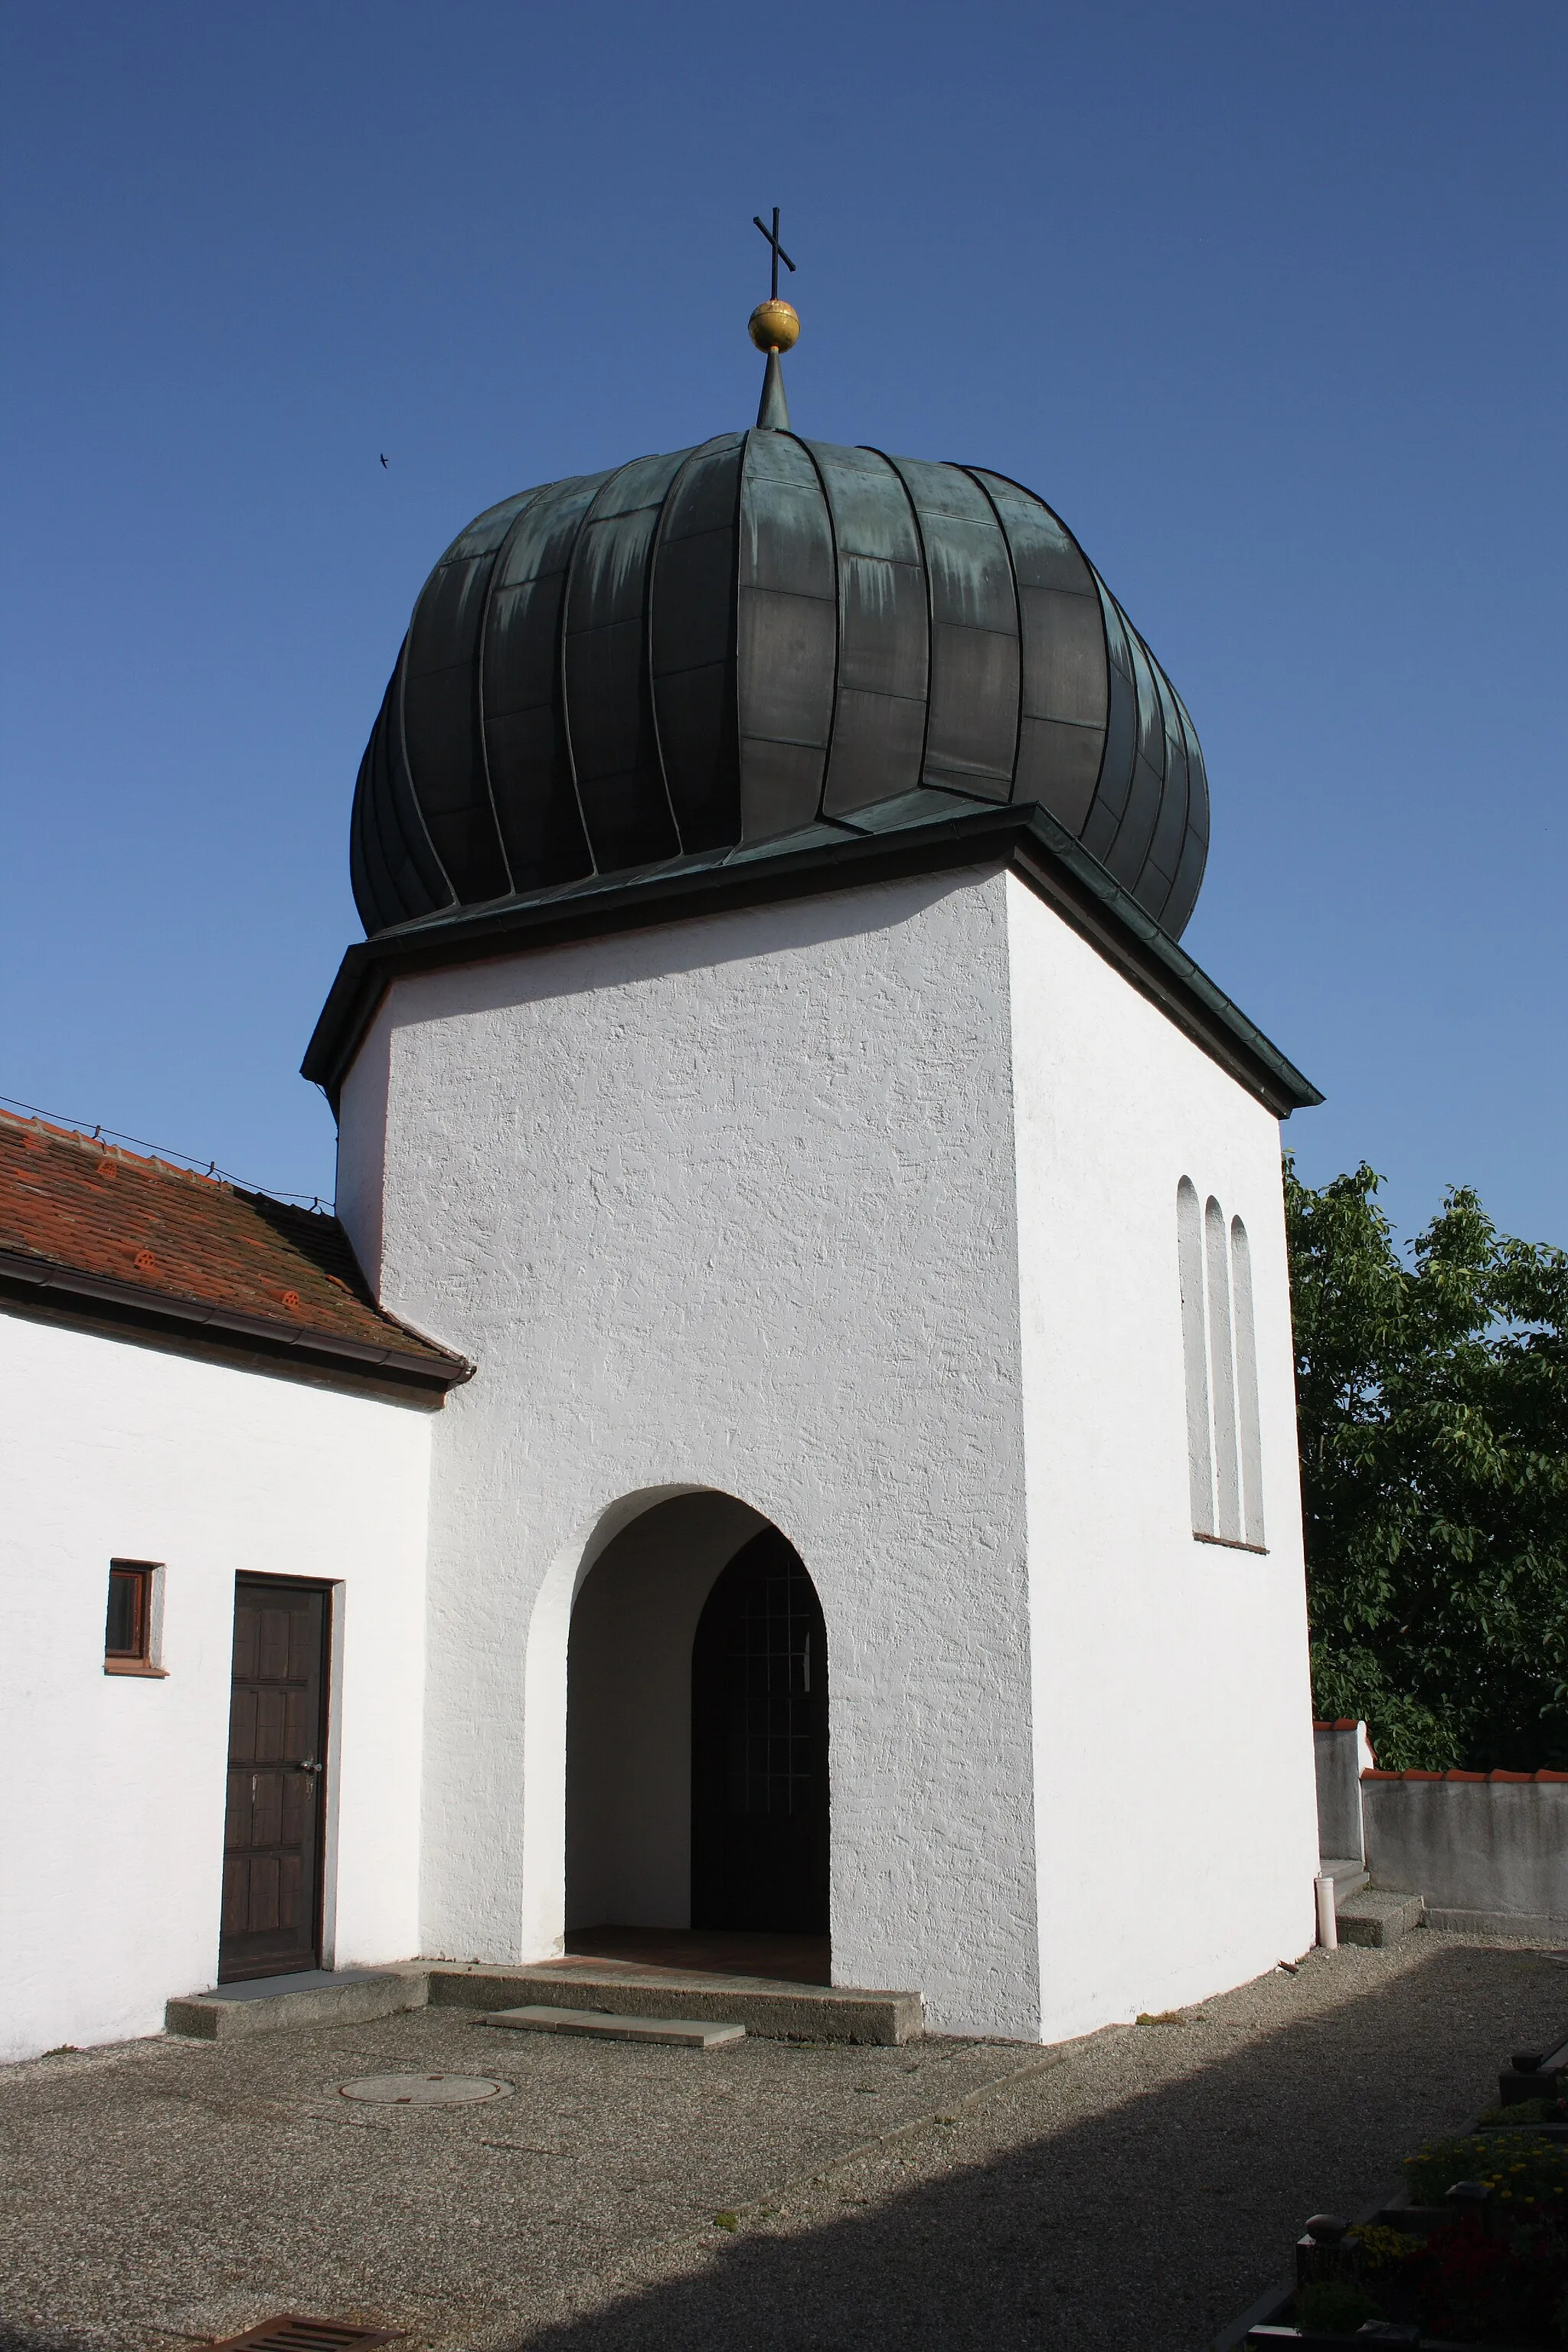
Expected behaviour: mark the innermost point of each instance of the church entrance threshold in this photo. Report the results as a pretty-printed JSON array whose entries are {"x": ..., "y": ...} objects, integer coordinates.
[{"x": 784, "y": 1958}]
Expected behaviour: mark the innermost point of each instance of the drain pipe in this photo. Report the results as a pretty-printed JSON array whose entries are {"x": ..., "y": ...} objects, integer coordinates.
[{"x": 1328, "y": 1925}]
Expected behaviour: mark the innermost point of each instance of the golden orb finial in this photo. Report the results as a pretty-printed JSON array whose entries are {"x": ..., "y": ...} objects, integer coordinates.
[{"x": 773, "y": 325}]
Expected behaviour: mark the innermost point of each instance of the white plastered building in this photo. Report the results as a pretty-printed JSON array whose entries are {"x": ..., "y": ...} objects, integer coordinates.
[{"x": 804, "y": 1445}]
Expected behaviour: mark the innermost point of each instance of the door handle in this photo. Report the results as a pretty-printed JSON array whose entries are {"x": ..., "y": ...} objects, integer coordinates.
[{"x": 307, "y": 1766}]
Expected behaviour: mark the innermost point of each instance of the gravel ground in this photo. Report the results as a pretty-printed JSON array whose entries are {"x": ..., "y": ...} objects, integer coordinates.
[{"x": 1131, "y": 2192}]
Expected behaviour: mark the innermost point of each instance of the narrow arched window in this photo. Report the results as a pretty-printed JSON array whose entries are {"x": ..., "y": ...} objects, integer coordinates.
[
  {"x": 1195, "y": 1350},
  {"x": 1222, "y": 1376},
  {"x": 1247, "y": 1414},
  {"x": 1219, "y": 1349}
]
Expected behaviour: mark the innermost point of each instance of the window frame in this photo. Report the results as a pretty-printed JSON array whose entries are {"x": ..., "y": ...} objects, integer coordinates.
[
  {"x": 145, "y": 1659},
  {"x": 1219, "y": 1348}
]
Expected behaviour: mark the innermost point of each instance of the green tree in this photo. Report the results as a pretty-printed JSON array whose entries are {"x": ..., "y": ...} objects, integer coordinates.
[{"x": 1432, "y": 1391}]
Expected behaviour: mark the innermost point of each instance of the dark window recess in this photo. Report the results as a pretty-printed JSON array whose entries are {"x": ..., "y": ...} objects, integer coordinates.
[{"x": 128, "y": 1632}]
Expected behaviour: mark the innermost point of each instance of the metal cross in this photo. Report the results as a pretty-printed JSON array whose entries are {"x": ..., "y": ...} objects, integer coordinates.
[{"x": 779, "y": 254}]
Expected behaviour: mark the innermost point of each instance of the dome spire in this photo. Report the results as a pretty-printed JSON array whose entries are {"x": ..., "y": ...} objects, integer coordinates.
[{"x": 773, "y": 326}]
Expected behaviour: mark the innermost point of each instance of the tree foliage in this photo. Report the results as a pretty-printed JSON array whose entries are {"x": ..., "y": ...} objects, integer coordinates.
[{"x": 1432, "y": 1391}]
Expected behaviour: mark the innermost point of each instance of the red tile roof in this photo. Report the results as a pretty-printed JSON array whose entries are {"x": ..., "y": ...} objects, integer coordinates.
[{"x": 83, "y": 1220}]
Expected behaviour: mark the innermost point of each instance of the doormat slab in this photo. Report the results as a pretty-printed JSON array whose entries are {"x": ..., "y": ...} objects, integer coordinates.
[{"x": 605, "y": 2025}]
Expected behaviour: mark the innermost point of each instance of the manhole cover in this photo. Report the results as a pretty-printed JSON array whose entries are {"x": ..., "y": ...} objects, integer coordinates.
[{"x": 424, "y": 2090}]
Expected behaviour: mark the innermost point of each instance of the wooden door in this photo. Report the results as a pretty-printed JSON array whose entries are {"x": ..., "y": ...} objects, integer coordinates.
[
  {"x": 759, "y": 1747},
  {"x": 277, "y": 1749}
]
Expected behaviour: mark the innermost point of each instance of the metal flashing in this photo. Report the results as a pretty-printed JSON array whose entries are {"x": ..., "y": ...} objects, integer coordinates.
[{"x": 1028, "y": 840}]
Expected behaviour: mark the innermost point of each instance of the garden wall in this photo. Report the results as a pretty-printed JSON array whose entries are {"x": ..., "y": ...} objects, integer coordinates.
[{"x": 1485, "y": 1849}]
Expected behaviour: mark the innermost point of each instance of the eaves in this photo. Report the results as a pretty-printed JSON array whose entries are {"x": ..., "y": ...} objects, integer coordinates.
[
  {"x": 60, "y": 1293},
  {"x": 1029, "y": 841}
]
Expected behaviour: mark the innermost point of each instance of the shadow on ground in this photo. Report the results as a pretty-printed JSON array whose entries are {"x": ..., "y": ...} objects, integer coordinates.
[
  {"x": 1145, "y": 2228},
  {"x": 1131, "y": 2192}
]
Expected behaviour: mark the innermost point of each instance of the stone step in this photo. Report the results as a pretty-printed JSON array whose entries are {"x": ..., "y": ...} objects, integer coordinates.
[
  {"x": 769, "y": 2007},
  {"x": 1349, "y": 1875},
  {"x": 310, "y": 1997},
  {"x": 1378, "y": 1915},
  {"x": 605, "y": 2025}
]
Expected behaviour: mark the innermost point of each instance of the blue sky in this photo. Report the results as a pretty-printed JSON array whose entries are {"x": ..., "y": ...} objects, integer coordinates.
[{"x": 1268, "y": 302}]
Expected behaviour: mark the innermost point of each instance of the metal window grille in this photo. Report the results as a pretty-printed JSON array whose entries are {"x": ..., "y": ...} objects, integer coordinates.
[{"x": 769, "y": 1673}]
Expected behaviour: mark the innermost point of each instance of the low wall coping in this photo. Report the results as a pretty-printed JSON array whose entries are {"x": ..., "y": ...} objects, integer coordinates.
[{"x": 1455, "y": 1774}]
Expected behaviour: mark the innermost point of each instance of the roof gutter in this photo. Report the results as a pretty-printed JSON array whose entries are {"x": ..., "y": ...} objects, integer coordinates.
[{"x": 33, "y": 1280}]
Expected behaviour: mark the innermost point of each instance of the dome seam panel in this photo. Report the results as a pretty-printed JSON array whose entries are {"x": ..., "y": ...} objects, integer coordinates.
[
  {"x": 1164, "y": 688},
  {"x": 568, "y": 576},
  {"x": 822, "y": 816},
  {"x": 400, "y": 745},
  {"x": 650, "y": 590},
  {"x": 908, "y": 497},
  {"x": 481, "y": 639},
  {"x": 1018, "y": 621}
]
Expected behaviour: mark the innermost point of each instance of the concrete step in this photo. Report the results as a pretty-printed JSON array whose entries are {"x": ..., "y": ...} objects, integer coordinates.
[
  {"x": 603, "y": 2025},
  {"x": 309, "y": 1997},
  {"x": 772, "y": 2007},
  {"x": 777, "y": 2011},
  {"x": 1348, "y": 1874},
  {"x": 1378, "y": 1915}
]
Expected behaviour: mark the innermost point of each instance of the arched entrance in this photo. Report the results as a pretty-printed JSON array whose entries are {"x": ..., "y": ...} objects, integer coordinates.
[
  {"x": 759, "y": 1747},
  {"x": 696, "y": 1736}
]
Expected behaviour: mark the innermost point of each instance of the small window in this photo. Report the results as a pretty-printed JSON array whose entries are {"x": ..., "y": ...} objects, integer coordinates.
[{"x": 130, "y": 1627}]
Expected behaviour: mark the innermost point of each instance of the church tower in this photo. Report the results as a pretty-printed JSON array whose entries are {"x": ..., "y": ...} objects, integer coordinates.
[{"x": 773, "y": 1064}]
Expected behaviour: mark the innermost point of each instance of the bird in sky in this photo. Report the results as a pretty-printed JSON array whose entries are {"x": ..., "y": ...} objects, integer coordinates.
[{"x": 383, "y": 460}]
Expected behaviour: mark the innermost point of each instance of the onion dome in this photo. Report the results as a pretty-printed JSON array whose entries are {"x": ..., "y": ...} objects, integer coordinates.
[
  {"x": 760, "y": 641},
  {"x": 764, "y": 669}
]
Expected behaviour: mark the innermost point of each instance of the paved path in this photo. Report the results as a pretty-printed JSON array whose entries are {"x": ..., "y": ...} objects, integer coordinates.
[{"x": 1126, "y": 2193}]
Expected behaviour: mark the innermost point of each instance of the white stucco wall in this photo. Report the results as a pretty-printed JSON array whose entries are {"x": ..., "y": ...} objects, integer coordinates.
[
  {"x": 728, "y": 1206},
  {"x": 828, "y": 1206},
  {"x": 1175, "y": 1791},
  {"x": 112, "y": 1835}
]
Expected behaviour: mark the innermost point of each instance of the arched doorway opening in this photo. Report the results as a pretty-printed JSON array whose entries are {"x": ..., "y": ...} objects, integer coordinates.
[{"x": 697, "y": 1779}]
